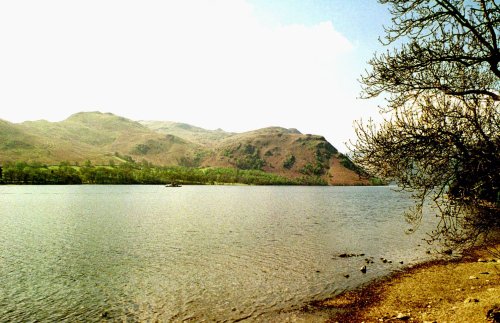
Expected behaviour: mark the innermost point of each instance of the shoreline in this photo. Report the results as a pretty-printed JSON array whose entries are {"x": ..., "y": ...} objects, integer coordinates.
[{"x": 462, "y": 289}]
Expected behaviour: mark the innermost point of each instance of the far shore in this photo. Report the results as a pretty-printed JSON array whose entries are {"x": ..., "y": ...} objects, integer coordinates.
[{"x": 466, "y": 289}]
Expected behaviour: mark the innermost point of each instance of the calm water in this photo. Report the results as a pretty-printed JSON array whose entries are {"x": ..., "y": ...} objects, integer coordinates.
[{"x": 197, "y": 252}]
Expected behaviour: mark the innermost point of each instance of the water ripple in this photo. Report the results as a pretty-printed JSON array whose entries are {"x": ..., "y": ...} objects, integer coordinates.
[{"x": 143, "y": 253}]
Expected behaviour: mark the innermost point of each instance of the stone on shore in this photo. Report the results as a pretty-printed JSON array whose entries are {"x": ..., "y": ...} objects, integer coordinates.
[
  {"x": 349, "y": 255},
  {"x": 403, "y": 317},
  {"x": 493, "y": 314},
  {"x": 444, "y": 283},
  {"x": 471, "y": 300}
]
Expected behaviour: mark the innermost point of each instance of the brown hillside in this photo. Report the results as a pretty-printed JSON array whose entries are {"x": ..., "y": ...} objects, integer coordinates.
[
  {"x": 340, "y": 175},
  {"x": 103, "y": 138},
  {"x": 286, "y": 152}
]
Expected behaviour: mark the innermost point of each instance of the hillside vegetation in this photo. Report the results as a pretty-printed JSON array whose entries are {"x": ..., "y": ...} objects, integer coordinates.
[{"x": 104, "y": 139}]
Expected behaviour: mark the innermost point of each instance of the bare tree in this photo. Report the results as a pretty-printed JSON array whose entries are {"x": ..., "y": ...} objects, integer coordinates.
[{"x": 441, "y": 135}]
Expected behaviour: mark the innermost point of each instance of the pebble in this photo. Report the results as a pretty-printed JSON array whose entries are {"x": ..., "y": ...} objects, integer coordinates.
[
  {"x": 471, "y": 300},
  {"x": 363, "y": 269},
  {"x": 473, "y": 277},
  {"x": 402, "y": 316},
  {"x": 349, "y": 255}
]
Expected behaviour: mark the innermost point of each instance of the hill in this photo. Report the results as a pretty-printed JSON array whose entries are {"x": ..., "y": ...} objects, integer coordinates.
[
  {"x": 194, "y": 134},
  {"x": 98, "y": 137},
  {"x": 104, "y": 138}
]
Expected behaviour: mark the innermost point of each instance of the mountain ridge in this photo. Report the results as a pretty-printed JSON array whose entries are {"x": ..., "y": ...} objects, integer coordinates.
[{"x": 105, "y": 138}]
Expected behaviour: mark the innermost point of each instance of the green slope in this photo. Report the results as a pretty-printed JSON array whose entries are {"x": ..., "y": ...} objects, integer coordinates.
[{"x": 104, "y": 138}]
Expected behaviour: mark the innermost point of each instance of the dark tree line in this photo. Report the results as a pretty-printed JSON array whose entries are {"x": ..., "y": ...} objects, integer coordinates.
[
  {"x": 140, "y": 173},
  {"x": 440, "y": 137}
]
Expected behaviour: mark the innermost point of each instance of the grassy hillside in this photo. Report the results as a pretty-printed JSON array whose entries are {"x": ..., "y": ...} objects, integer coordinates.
[
  {"x": 17, "y": 144},
  {"x": 98, "y": 137},
  {"x": 194, "y": 134},
  {"x": 107, "y": 139}
]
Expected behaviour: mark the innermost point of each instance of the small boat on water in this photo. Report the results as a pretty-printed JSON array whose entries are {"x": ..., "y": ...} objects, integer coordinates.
[{"x": 173, "y": 184}]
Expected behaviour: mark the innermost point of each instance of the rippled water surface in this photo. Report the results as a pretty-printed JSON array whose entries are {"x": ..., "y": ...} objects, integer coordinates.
[{"x": 197, "y": 252}]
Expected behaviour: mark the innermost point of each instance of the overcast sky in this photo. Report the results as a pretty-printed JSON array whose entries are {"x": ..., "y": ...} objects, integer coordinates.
[{"x": 231, "y": 64}]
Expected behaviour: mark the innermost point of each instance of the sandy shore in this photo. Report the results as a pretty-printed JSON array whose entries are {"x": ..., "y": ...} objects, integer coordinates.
[
  {"x": 460, "y": 290},
  {"x": 463, "y": 290}
]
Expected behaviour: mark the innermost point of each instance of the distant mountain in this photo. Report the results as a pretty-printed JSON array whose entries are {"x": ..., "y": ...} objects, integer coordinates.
[
  {"x": 105, "y": 138},
  {"x": 194, "y": 134}
]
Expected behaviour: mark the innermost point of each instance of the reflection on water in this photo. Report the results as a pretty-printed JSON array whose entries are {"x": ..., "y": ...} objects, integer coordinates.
[{"x": 197, "y": 252}]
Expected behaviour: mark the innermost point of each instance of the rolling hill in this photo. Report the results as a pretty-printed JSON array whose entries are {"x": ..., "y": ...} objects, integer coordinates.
[{"x": 104, "y": 138}]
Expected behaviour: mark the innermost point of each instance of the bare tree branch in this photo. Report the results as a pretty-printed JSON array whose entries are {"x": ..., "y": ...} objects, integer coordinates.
[{"x": 441, "y": 137}]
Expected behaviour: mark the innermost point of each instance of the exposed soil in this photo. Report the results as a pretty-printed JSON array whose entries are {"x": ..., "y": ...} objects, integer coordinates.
[{"x": 339, "y": 175}]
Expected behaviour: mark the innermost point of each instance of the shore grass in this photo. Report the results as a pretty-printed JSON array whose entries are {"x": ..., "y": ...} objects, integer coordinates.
[{"x": 461, "y": 290}]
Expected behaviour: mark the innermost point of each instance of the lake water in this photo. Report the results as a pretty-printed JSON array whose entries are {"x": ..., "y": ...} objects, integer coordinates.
[{"x": 213, "y": 253}]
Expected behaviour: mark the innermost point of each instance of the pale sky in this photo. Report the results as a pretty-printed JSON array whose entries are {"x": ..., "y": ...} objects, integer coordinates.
[{"x": 238, "y": 65}]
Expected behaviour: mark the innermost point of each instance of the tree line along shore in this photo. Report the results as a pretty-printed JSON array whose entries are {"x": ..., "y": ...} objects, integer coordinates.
[{"x": 140, "y": 173}]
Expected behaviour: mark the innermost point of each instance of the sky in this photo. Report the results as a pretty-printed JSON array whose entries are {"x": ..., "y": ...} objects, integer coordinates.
[{"x": 238, "y": 65}]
